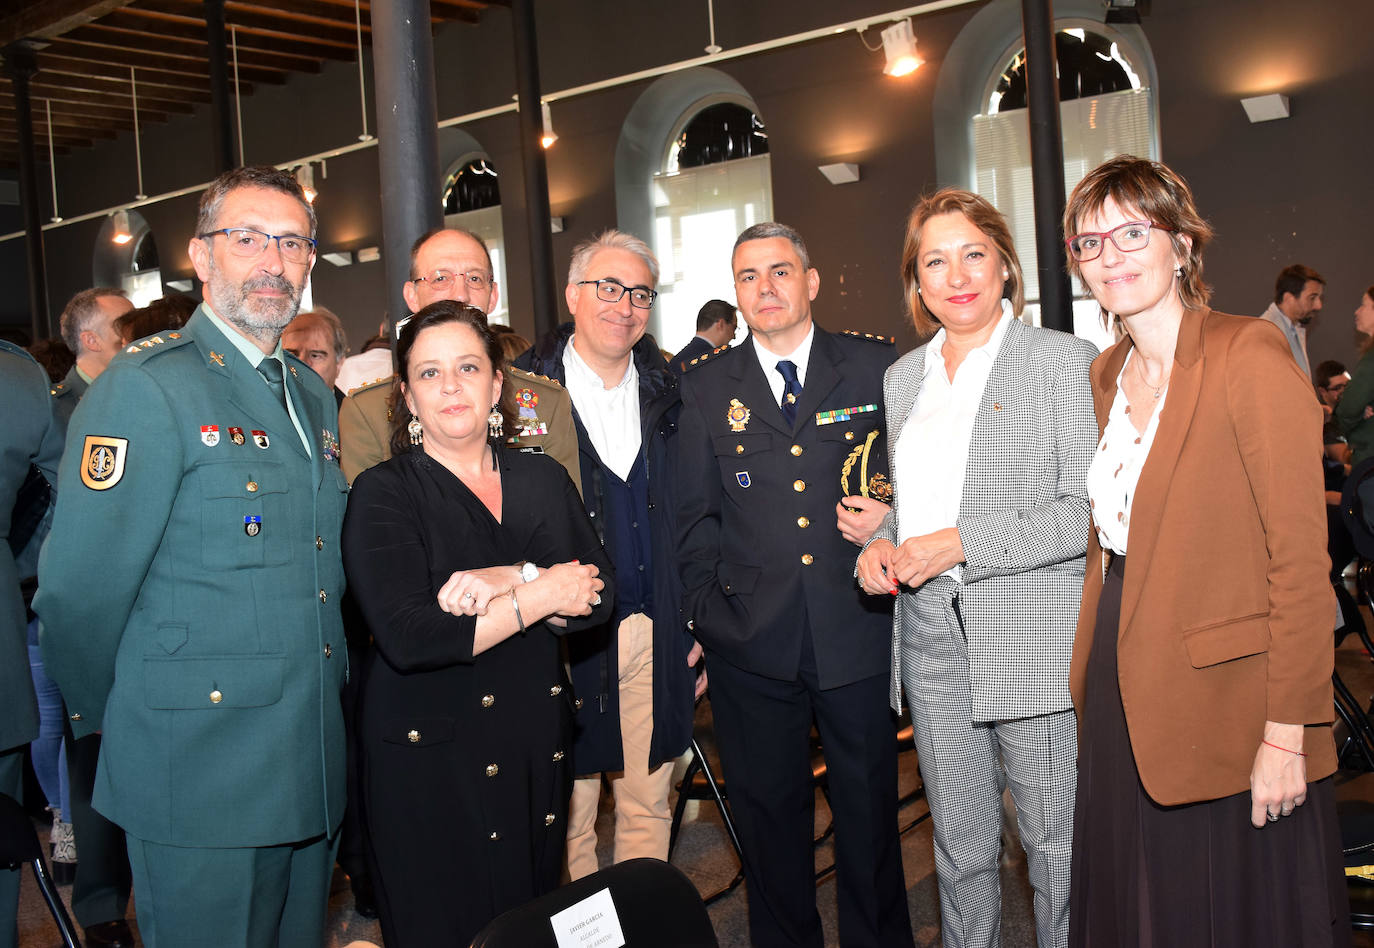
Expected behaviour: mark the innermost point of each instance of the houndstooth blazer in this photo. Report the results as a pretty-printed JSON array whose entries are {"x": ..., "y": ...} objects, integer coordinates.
[{"x": 1023, "y": 519}]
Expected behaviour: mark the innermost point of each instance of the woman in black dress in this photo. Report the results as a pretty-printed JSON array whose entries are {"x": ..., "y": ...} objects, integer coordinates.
[{"x": 467, "y": 560}]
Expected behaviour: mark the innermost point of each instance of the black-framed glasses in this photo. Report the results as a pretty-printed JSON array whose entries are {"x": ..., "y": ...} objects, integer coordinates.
[
  {"x": 247, "y": 242},
  {"x": 442, "y": 281},
  {"x": 1127, "y": 238},
  {"x": 611, "y": 291}
]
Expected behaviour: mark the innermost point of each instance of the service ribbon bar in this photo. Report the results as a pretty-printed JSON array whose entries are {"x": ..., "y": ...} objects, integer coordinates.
[{"x": 842, "y": 414}]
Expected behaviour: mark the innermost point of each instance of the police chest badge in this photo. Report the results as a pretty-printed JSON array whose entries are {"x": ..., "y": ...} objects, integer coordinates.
[
  {"x": 737, "y": 415},
  {"x": 331, "y": 445},
  {"x": 102, "y": 461},
  {"x": 209, "y": 435},
  {"x": 260, "y": 439}
]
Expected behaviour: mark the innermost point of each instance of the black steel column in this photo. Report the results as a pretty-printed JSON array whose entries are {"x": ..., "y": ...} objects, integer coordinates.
[
  {"x": 1047, "y": 164},
  {"x": 408, "y": 136},
  {"x": 20, "y": 66},
  {"x": 226, "y": 156},
  {"x": 537, "y": 215}
]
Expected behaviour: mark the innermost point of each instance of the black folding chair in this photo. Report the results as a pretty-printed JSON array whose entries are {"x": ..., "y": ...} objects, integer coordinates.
[{"x": 19, "y": 845}]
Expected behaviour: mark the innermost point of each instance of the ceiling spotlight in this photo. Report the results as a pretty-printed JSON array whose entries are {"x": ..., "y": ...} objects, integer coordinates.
[
  {"x": 899, "y": 46},
  {"x": 305, "y": 177},
  {"x": 549, "y": 136},
  {"x": 120, "y": 223}
]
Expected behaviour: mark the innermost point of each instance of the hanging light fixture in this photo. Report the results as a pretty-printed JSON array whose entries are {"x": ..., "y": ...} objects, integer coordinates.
[
  {"x": 305, "y": 177},
  {"x": 899, "y": 46},
  {"x": 120, "y": 223},
  {"x": 549, "y": 136}
]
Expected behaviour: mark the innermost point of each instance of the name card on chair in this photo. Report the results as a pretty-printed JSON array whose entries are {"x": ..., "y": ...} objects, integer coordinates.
[{"x": 591, "y": 923}]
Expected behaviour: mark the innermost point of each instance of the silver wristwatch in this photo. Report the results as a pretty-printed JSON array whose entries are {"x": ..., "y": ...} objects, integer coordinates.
[{"x": 528, "y": 572}]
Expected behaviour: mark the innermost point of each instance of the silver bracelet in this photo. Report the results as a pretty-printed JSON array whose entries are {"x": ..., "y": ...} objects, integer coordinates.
[{"x": 515, "y": 604}]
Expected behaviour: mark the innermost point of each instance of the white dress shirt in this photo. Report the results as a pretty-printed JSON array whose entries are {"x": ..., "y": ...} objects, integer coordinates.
[
  {"x": 800, "y": 356},
  {"x": 1116, "y": 466},
  {"x": 610, "y": 415},
  {"x": 932, "y": 450}
]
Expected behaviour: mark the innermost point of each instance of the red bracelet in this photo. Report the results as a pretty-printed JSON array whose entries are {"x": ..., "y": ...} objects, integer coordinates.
[{"x": 1277, "y": 747}]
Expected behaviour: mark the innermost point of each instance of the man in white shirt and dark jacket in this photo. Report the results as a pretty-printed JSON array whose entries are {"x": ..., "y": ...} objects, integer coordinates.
[{"x": 634, "y": 679}]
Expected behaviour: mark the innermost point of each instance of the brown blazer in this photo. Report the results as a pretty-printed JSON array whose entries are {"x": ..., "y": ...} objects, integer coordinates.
[{"x": 1227, "y": 613}]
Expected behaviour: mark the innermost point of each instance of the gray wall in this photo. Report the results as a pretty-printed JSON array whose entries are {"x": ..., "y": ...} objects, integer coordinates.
[{"x": 1276, "y": 193}]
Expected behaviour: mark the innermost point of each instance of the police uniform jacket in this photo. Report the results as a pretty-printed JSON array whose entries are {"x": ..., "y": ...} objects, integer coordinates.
[
  {"x": 189, "y": 595},
  {"x": 29, "y": 435},
  {"x": 762, "y": 560},
  {"x": 594, "y": 654}
]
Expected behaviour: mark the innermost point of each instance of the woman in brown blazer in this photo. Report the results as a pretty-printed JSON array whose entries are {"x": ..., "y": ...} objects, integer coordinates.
[{"x": 1201, "y": 671}]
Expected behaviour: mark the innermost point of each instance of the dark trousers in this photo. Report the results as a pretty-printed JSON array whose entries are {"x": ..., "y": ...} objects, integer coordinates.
[
  {"x": 763, "y": 729},
  {"x": 11, "y": 783},
  {"x": 100, "y": 892}
]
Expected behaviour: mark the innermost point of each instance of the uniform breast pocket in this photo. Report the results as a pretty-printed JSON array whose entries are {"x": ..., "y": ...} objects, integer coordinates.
[
  {"x": 245, "y": 515},
  {"x": 735, "y": 452}
]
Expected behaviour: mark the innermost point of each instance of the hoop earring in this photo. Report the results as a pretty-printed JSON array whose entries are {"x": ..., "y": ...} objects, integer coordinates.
[
  {"x": 496, "y": 422},
  {"x": 416, "y": 432}
]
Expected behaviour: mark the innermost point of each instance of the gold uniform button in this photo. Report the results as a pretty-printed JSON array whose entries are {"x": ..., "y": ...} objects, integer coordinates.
[
  {"x": 739, "y": 449},
  {"x": 488, "y": 700},
  {"x": 548, "y": 819},
  {"x": 803, "y": 522},
  {"x": 555, "y": 691},
  {"x": 799, "y": 485},
  {"x": 557, "y": 756},
  {"x": 252, "y": 487},
  {"x": 494, "y": 837},
  {"x": 493, "y": 770},
  {"x": 328, "y": 650},
  {"x": 796, "y": 450},
  {"x": 577, "y": 704},
  {"x": 76, "y": 716},
  {"x": 319, "y": 543},
  {"x": 323, "y": 596},
  {"x": 849, "y": 436},
  {"x": 413, "y": 737},
  {"x": 807, "y": 559},
  {"x": 216, "y": 697}
]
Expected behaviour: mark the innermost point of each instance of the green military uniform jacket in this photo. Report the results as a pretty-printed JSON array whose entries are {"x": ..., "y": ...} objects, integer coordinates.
[
  {"x": 544, "y": 423},
  {"x": 189, "y": 595},
  {"x": 29, "y": 436},
  {"x": 67, "y": 394}
]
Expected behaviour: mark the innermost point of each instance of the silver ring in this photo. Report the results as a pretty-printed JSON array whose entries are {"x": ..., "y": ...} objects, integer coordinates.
[
  {"x": 467, "y": 597},
  {"x": 1272, "y": 817},
  {"x": 1287, "y": 812},
  {"x": 597, "y": 600},
  {"x": 861, "y": 583}
]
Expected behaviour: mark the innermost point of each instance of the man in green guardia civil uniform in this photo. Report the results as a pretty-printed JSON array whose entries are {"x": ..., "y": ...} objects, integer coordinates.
[{"x": 189, "y": 592}]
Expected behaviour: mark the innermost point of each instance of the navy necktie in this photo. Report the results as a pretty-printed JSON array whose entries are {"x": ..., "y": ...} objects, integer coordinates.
[
  {"x": 270, "y": 369},
  {"x": 791, "y": 390}
]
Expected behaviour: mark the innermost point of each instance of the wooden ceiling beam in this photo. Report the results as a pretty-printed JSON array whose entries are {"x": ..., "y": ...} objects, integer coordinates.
[
  {"x": 157, "y": 62},
  {"x": 159, "y": 24},
  {"x": 302, "y": 11},
  {"x": 100, "y": 34},
  {"x": 79, "y": 112},
  {"x": 91, "y": 97},
  {"x": 320, "y": 33},
  {"x": 52, "y": 18},
  {"x": 105, "y": 119},
  {"x": 152, "y": 84}
]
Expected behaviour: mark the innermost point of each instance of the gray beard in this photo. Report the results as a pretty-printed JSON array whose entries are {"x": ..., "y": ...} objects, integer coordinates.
[{"x": 262, "y": 320}]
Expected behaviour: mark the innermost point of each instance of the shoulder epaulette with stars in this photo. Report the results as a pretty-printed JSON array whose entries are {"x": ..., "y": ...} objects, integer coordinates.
[
  {"x": 872, "y": 336},
  {"x": 702, "y": 358},
  {"x": 160, "y": 342},
  {"x": 60, "y": 386},
  {"x": 526, "y": 373},
  {"x": 385, "y": 379}
]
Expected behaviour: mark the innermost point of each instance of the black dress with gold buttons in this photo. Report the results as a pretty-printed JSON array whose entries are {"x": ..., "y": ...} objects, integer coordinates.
[{"x": 465, "y": 758}]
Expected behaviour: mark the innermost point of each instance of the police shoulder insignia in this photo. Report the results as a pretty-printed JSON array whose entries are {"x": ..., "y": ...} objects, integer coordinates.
[
  {"x": 871, "y": 336},
  {"x": 102, "y": 461}
]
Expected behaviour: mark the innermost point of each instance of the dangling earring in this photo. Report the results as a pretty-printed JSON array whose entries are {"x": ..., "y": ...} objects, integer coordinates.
[
  {"x": 417, "y": 433},
  {"x": 1178, "y": 271},
  {"x": 496, "y": 422}
]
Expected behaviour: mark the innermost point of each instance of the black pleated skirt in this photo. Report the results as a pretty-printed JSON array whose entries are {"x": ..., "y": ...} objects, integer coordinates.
[{"x": 1193, "y": 875}]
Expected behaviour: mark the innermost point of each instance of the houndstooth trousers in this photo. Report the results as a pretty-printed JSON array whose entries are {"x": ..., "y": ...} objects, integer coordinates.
[{"x": 966, "y": 764}]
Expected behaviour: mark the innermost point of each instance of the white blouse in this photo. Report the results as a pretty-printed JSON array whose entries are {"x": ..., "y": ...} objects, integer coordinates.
[
  {"x": 932, "y": 450},
  {"x": 1116, "y": 467}
]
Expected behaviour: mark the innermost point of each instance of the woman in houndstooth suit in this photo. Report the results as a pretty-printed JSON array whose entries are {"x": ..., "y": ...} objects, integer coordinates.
[{"x": 990, "y": 433}]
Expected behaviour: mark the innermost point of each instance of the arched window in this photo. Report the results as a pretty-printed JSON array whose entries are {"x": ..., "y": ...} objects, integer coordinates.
[
  {"x": 131, "y": 264},
  {"x": 1107, "y": 108},
  {"x": 472, "y": 201},
  {"x": 697, "y": 143}
]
